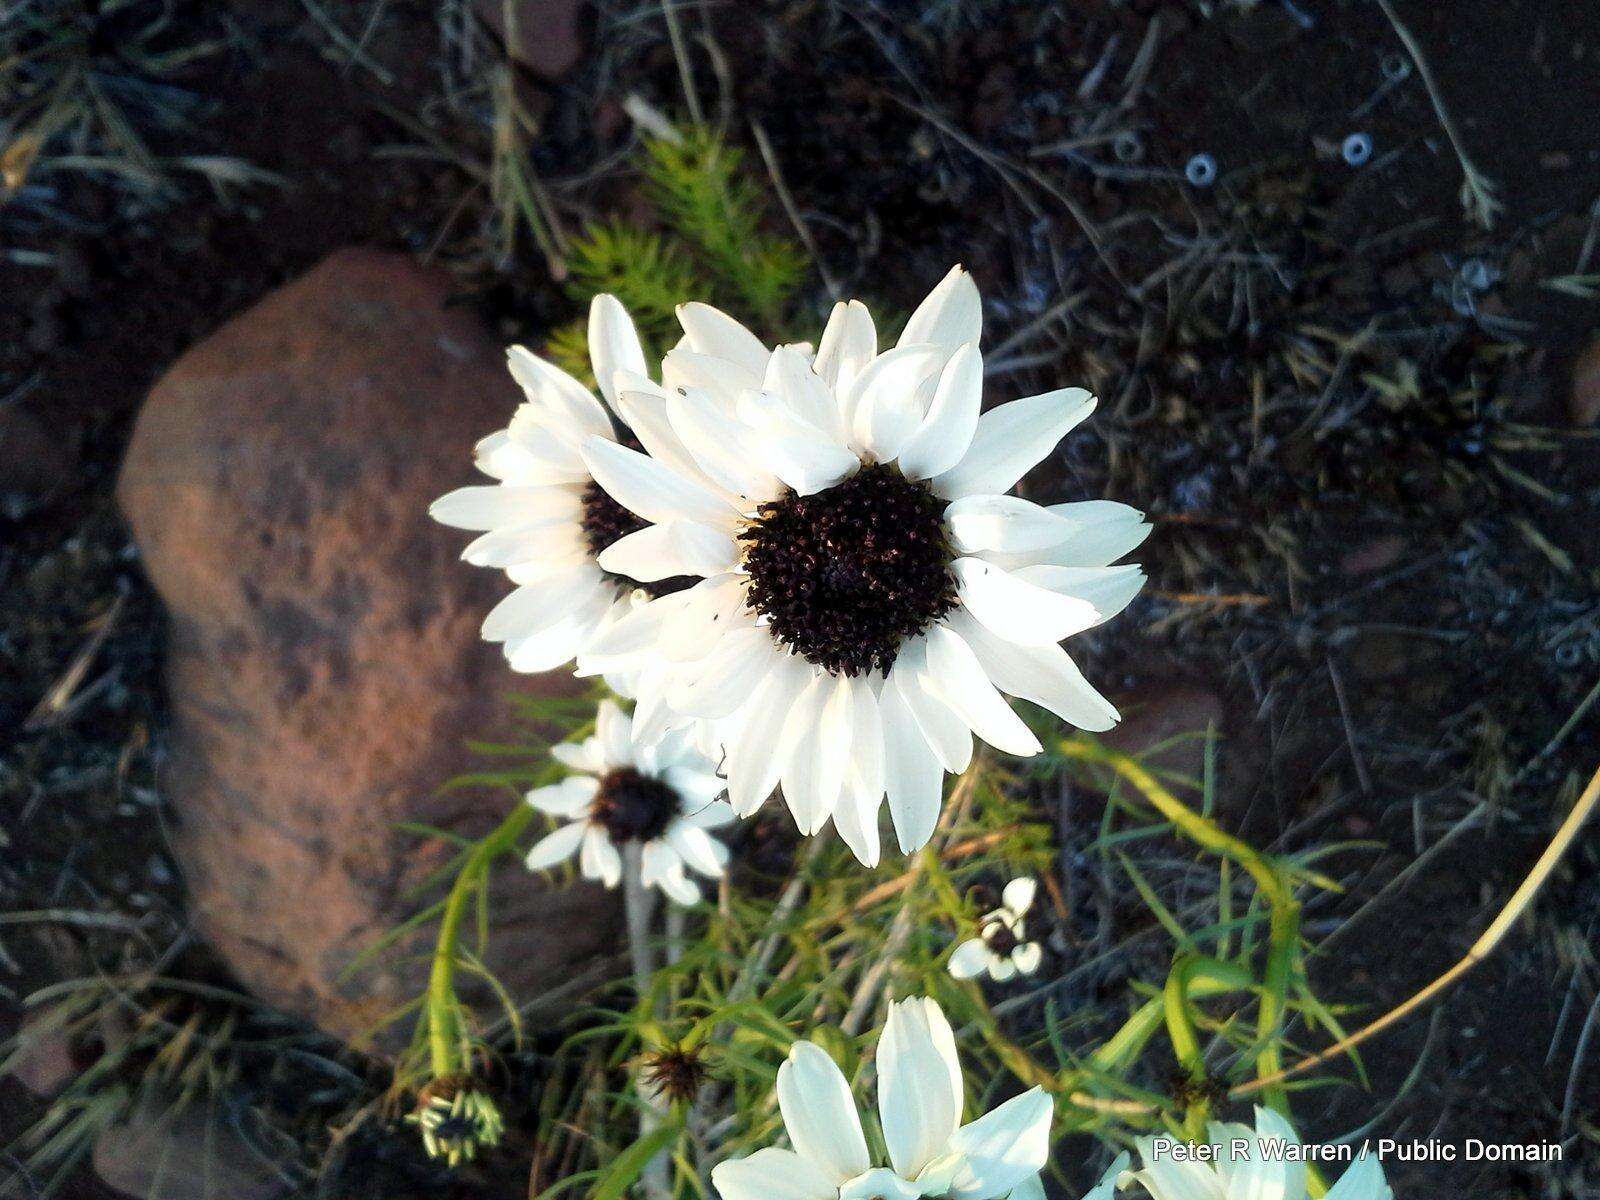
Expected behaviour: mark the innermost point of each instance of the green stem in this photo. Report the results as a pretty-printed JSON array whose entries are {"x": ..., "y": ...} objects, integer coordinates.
[
  {"x": 443, "y": 1011},
  {"x": 1283, "y": 924}
]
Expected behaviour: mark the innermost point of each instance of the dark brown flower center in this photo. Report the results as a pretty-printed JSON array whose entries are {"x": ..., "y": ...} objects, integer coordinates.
[
  {"x": 1000, "y": 939},
  {"x": 632, "y": 806},
  {"x": 604, "y": 522},
  {"x": 846, "y": 575}
]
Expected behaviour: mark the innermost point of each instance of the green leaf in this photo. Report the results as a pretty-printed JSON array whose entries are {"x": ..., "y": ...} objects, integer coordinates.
[{"x": 628, "y": 1165}]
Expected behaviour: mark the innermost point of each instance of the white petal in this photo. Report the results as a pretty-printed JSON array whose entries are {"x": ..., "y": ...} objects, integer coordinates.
[
  {"x": 552, "y": 543},
  {"x": 643, "y": 405},
  {"x": 697, "y": 848},
  {"x": 1102, "y": 532},
  {"x": 723, "y": 448},
  {"x": 1008, "y": 524},
  {"x": 565, "y": 799},
  {"x": 613, "y": 729},
  {"x": 772, "y": 1174},
  {"x": 884, "y": 406},
  {"x": 961, "y": 683},
  {"x": 1004, "y": 1146},
  {"x": 754, "y": 763},
  {"x": 1026, "y": 958},
  {"x": 579, "y": 756},
  {"x": 855, "y": 816},
  {"x": 1166, "y": 1178},
  {"x": 803, "y": 456},
  {"x": 949, "y": 737},
  {"x": 913, "y": 777},
  {"x": 556, "y": 847},
  {"x": 849, "y": 343},
  {"x": 683, "y": 368},
  {"x": 1001, "y": 969},
  {"x": 548, "y": 648},
  {"x": 805, "y": 789},
  {"x": 654, "y": 491},
  {"x": 680, "y": 887},
  {"x": 656, "y": 861},
  {"x": 820, "y": 1114},
  {"x": 536, "y": 606},
  {"x": 1012, "y": 439},
  {"x": 613, "y": 344},
  {"x": 946, "y": 432},
  {"x": 1018, "y": 610},
  {"x": 970, "y": 958},
  {"x": 918, "y": 1103},
  {"x": 713, "y": 332},
  {"x": 793, "y": 381},
  {"x": 599, "y": 859},
  {"x": 1108, "y": 590},
  {"x": 498, "y": 506},
  {"x": 664, "y": 551},
  {"x": 727, "y": 676},
  {"x": 695, "y": 621},
  {"x": 1362, "y": 1181},
  {"x": 950, "y": 316},
  {"x": 1044, "y": 675},
  {"x": 1018, "y": 894},
  {"x": 553, "y": 391}
]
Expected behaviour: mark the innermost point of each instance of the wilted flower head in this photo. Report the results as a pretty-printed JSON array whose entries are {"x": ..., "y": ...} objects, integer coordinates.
[
  {"x": 1263, "y": 1172},
  {"x": 1000, "y": 948},
  {"x": 675, "y": 1072},
  {"x": 545, "y": 521},
  {"x": 931, "y": 1153},
  {"x": 456, "y": 1122},
  {"x": 661, "y": 796},
  {"x": 867, "y": 589}
]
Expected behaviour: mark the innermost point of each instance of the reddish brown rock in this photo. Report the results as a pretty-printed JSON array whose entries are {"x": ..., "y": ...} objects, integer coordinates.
[
  {"x": 544, "y": 35},
  {"x": 1166, "y": 723},
  {"x": 1583, "y": 406},
  {"x": 189, "y": 1151},
  {"x": 323, "y": 660}
]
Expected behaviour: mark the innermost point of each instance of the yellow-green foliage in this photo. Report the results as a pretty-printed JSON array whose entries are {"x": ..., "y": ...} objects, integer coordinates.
[{"x": 705, "y": 238}]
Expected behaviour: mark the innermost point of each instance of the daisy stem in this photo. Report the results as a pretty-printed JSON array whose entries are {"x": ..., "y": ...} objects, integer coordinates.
[
  {"x": 639, "y": 907},
  {"x": 446, "y": 1052}
]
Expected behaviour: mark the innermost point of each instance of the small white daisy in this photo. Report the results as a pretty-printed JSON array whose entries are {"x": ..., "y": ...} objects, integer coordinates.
[
  {"x": 545, "y": 521},
  {"x": 1000, "y": 947},
  {"x": 919, "y": 1106},
  {"x": 1263, "y": 1173},
  {"x": 867, "y": 589},
  {"x": 663, "y": 796}
]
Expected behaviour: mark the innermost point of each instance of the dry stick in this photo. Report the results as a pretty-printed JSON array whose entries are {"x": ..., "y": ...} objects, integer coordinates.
[
  {"x": 792, "y": 210},
  {"x": 685, "y": 67},
  {"x": 1474, "y": 183},
  {"x": 1481, "y": 949}
]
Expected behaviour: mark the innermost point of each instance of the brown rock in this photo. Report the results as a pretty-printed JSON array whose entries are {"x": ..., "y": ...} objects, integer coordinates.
[
  {"x": 1370, "y": 557},
  {"x": 185, "y": 1153},
  {"x": 44, "y": 1060},
  {"x": 1583, "y": 406},
  {"x": 323, "y": 659},
  {"x": 1166, "y": 723},
  {"x": 546, "y": 37}
]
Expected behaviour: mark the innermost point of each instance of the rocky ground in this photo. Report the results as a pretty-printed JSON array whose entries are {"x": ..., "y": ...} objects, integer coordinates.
[{"x": 1363, "y": 424}]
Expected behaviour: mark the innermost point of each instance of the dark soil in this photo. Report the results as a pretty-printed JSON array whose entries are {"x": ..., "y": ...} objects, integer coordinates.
[{"x": 1343, "y": 405}]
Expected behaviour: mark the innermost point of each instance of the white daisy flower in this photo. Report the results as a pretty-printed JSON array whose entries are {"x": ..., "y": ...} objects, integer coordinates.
[
  {"x": 868, "y": 589},
  {"x": 1262, "y": 1173},
  {"x": 919, "y": 1106},
  {"x": 662, "y": 795},
  {"x": 545, "y": 521},
  {"x": 1000, "y": 948}
]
